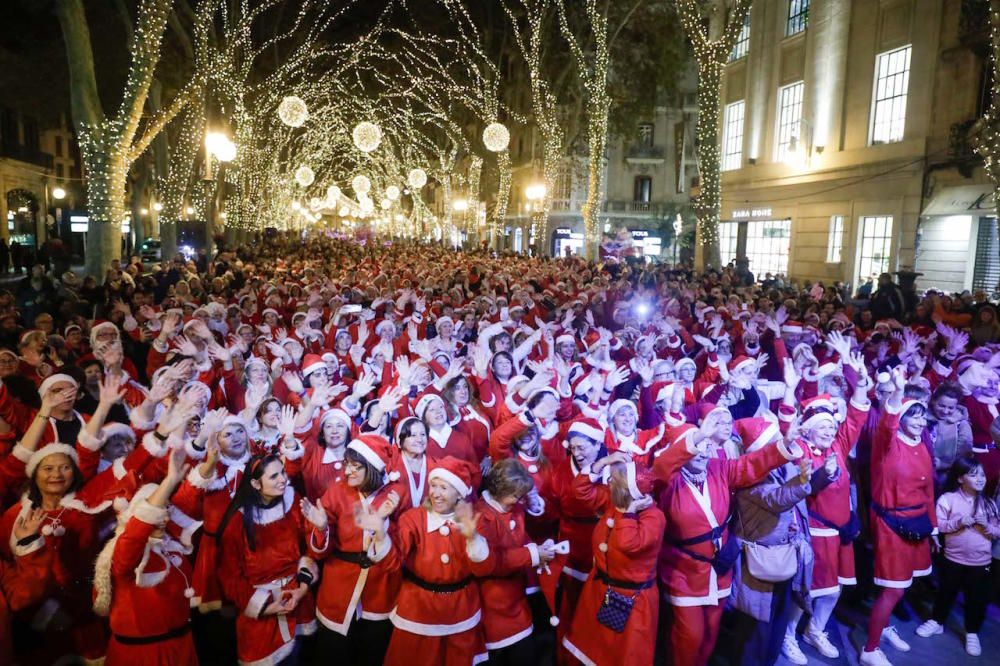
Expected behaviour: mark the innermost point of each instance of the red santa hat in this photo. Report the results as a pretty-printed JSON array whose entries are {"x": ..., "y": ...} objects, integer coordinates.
[
  {"x": 265, "y": 312},
  {"x": 640, "y": 481},
  {"x": 377, "y": 451},
  {"x": 336, "y": 414},
  {"x": 71, "y": 327},
  {"x": 792, "y": 326},
  {"x": 52, "y": 380},
  {"x": 684, "y": 361},
  {"x": 662, "y": 391},
  {"x": 706, "y": 408},
  {"x": 816, "y": 410},
  {"x": 566, "y": 337},
  {"x": 311, "y": 363},
  {"x": 756, "y": 432},
  {"x": 455, "y": 472},
  {"x": 622, "y": 404},
  {"x": 50, "y": 450},
  {"x": 97, "y": 327},
  {"x": 385, "y": 324},
  {"x": 425, "y": 402},
  {"x": 740, "y": 361},
  {"x": 587, "y": 427}
]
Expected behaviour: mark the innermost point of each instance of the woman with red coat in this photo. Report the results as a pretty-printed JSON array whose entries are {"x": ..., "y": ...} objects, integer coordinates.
[
  {"x": 267, "y": 575},
  {"x": 323, "y": 462},
  {"x": 627, "y": 544},
  {"x": 623, "y": 435},
  {"x": 903, "y": 512},
  {"x": 357, "y": 594},
  {"x": 437, "y": 617},
  {"x": 507, "y": 618},
  {"x": 413, "y": 465},
  {"x": 24, "y": 582},
  {"x": 444, "y": 439},
  {"x": 142, "y": 578},
  {"x": 695, "y": 565},
  {"x": 473, "y": 424}
]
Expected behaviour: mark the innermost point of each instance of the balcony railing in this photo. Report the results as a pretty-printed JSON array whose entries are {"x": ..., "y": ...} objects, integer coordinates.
[
  {"x": 974, "y": 22},
  {"x": 645, "y": 152}
]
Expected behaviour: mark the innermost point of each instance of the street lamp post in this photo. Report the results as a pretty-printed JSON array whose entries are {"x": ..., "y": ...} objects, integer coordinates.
[
  {"x": 221, "y": 147},
  {"x": 678, "y": 227}
]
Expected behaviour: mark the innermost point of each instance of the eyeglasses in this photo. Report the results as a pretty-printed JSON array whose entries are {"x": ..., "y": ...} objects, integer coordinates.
[{"x": 353, "y": 467}]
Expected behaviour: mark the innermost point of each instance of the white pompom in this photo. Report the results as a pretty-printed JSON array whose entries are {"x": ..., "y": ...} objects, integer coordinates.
[
  {"x": 394, "y": 476},
  {"x": 47, "y": 530},
  {"x": 189, "y": 592},
  {"x": 120, "y": 504},
  {"x": 554, "y": 621},
  {"x": 59, "y": 531}
]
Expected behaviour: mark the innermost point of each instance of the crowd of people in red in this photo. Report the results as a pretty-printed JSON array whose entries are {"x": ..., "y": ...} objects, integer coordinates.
[{"x": 323, "y": 449}]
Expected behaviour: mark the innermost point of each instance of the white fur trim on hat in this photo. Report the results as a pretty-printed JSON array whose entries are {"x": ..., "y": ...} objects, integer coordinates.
[
  {"x": 633, "y": 486},
  {"x": 55, "y": 379},
  {"x": 818, "y": 418},
  {"x": 587, "y": 430},
  {"x": 49, "y": 450},
  {"x": 424, "y": 403},
  {"x": 618, "y": 404},
  {"x": 766, "y": 435},
  {"x": 451, "y": 479},
  {"x": 367, "y": 453}
]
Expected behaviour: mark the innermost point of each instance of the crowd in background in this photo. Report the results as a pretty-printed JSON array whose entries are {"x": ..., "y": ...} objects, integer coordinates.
[{"x": 320, "y": 446}]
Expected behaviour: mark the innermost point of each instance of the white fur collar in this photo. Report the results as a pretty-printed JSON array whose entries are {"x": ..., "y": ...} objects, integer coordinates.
[{"x": 275, "y": 513}]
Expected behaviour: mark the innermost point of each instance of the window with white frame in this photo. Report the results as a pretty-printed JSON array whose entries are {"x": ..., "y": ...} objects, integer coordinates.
[
  {"x": 789, "y": 118},
  {"x": 645, "y": 135},
  {"x": 835, "y": 241},
  {"x": 768, "y": 243},
  {"x": 875, "y": 247},
  {"x": 742, "y": 46},
  {"x": 732, "y": 136},
  {"x": 728, "y": 234},
  {"x": 892, "y": 77},
  {"x": 798, "y": 17}
]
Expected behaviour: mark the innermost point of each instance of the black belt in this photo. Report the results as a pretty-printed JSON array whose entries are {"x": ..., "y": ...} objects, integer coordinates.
[
  {"x": 444, "y": 588},
  {"x": 624, "y": 584},
  {"x": 159, "y": 638},
  {"x": 588, "y": 520},
  {"x": 897, "y": 509},
  {"x": 360, "y": 557}
]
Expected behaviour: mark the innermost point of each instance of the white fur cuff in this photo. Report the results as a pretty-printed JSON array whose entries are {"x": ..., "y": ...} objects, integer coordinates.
[
  {"x": 33, "y": 547},
  {"x": 533, "y": 549},
  {"x": 196, "y": 480},
  {"x": 22, "y": 453},
  {"x": 154, "y": 445},
  {"x": 379, "y": 549},
  {"x": 794, "y": 452},
  {"x": 257, "y": 602},
  {"x": 151, "y": 515},
  {"x": 477, "y": 549},
  {"x": 89, "y": 442}
]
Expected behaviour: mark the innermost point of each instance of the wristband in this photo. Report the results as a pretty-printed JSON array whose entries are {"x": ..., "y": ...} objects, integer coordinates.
[
  {"x": 157, "y": 435},
  {"x": 44, "y": 416}
]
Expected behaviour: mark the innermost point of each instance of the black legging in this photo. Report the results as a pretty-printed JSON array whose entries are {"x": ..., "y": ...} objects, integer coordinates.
[
  {"x": 973, "y": 582},
  {"x": 365, "y": 644},
  {"x": 520, "y": 653}
]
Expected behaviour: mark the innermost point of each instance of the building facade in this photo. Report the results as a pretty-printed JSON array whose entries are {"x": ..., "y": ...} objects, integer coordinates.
[{"x": 845, "y": 142}]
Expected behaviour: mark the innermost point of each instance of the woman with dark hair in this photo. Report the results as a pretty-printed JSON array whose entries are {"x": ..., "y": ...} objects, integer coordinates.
[
  {"x": 357, "y": 593},
  {"x": 267, "y": 574},
  {"x": 985, "y": 327},
  {"x": 903, "y": 514},
  {"x": 507, "y": 617},
  {"x": 473, "y": 424},
  {"x": 413, "y": 464},
  {"x": 444, "y": 438}
]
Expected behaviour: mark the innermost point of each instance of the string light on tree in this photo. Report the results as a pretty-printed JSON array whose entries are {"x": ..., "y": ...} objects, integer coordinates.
[
  {"x": 367, "y": 136},
  {"x": 293, "y": 111},
  {"x": 496, "y": 137},
  {"x": 392, "y": 193}
]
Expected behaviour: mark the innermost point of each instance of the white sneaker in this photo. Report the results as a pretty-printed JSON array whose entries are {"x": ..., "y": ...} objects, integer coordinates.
[
  {"x": 874, "y": 658},
  {"x": 972, "y": 646},
  {"x": 793, "y": 653},
  {"x": 821, "y": 641},
  {"x": 895, "y": 640},
  {"x": 929, "y": 628}
]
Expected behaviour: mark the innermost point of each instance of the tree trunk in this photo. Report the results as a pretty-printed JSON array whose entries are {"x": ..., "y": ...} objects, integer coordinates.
[
  {"x": 106, "y": 170},
  {"x": 597, "y": 140},
  {"x": 503, "y": 194},
  {"x": 709, "y": 203}
]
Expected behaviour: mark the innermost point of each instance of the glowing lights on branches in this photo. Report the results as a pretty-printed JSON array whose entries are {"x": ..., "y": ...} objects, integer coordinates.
[
  {"x": 417, "y": 178},
  {"x": 367, "y": 136},
  {"x": 496, "y": 137},
  {"x": 304, "y": 176},
  {"x": 392, "y": 193},
  {"x": 293, "y": 111},
  {"x": 361, "y": 185}
]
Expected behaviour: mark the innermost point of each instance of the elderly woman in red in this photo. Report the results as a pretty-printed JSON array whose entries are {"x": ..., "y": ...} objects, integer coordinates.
[
  {"x": 142, "y": 578},
  {"x": 695, "y": 565},
  {"x": 437, "y": 615},
  {"x": 323, "y": 462},
  {"x": 507, "y": 616},
  {"x": 267, "y": 574},
  {"x": 903, "y": 511},
  {"x": 357, "y": 593},
  {"x": 627, "y": 544}
]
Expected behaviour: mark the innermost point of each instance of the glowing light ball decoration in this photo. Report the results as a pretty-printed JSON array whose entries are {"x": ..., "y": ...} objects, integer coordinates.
[
  {"x": 304, "y": 176},
  {"x": 315, "y": 203},
  {"x": 496, "y": 137},
  {"x": 367, "y": 136},
  {"x": 386, "y": 204},
  {"x": 392, "y": 193},
  {"x": 344, "y": 211},
  {"x": 293, "y": 111},
  {"x": 361, "y": 185},
  {"x": 417, "y": 178},
  {"x": 333, "y": 193},
  {"x": 367, "y": 206}
]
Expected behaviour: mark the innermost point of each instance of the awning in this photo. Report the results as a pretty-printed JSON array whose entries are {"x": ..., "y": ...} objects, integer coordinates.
[{"x": 962, "y": 200}]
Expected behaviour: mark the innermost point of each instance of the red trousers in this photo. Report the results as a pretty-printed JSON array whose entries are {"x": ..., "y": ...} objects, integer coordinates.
[{"x": 693, "y": 632}]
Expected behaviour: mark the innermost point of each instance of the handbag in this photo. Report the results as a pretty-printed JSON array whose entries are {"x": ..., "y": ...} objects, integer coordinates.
[
  {"x": 615, "y": 610},
  {"x": 910, "y": 528},
  {"x": 848, "y": 532},
  {"x": 771, "y": 564}
]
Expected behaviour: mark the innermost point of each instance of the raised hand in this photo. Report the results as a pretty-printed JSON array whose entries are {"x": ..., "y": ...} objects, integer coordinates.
[
  {"x": 177, "y": 468},
  {"x": 466, "y": 519},
  {"x": 110, "y": 389},
  {"x": 315, "y": 513},
  {"x": 707, "y": 344},
  {"x": 390, "y": 400},
  {"x": 293, "y": 382},
  {"x": 212, "y": 423},
  {"x": 177, "y": 417},
  {"x": 645, "y": 371},
  {"x": 388, "y": 506},
  {"x": 616, "y": 377},
  {"x": 364, "y": 385},
  {"x": 29, "y": 524},
  {"x": 367, "y": 519},
  {"x": 286, "y": 422},
  {"x": 185, "y": 346}
]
